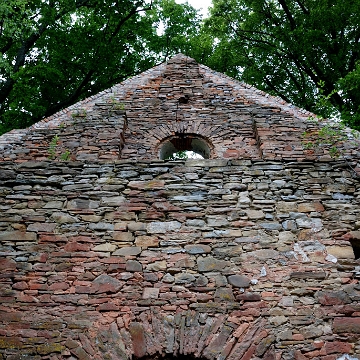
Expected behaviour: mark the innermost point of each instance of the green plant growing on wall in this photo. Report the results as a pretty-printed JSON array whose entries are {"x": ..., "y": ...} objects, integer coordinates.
[
  {"x": 120, "y": 106},
  {"x": 65, "y": 156},
  {"x": 329, "y": 135},
  {"x": 332, "y": 137},
  {"x": 79, "y": 113},
  {"x": 116, "y": 104},
  {"x": 52, "y": 147}
]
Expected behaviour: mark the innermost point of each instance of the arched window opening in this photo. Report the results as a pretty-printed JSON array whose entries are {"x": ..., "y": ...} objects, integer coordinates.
[{"x": 183, "y": 146}]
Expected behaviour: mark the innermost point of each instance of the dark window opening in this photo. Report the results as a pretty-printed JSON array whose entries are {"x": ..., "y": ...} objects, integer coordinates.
[
  {"x": 356, "y": 248},
  {"x": 183, "y": 146}
]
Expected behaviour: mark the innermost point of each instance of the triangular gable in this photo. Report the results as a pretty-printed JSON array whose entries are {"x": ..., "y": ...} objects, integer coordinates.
[{"x": 175, "y": 101}]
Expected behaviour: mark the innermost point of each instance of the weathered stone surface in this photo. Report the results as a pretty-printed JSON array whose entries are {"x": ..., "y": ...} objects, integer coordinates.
[
  {"x": 107, "y": 247},
  {"x": 265, "y": 254},
  {"x": 158, "y": 227},
  {"x": 338, "y": 347},
  {"x": 309, "y": 207},
  {"x": 7, "y": 174},
  {"x": 278, "y": 320},
  {"x": 157, "y": 266},
  {"x": 309, "y": 223},
  {"x": 183, "y": 278},
  {"x": 211, "y": 264},
  {"x": 239, "y": 281},
  {"x": 151, "y": 293},
  {"x": 138, "y": 339},
  {"x": 105, "y": 283},
  {"x": 133, "y": 265},
  {"x": 146, "y": 185},
  {"x": 101, "y": 226},
  {"x": 346, "y": 325},
  {"x": 63, "y": 218},
  {"x": 308, "y": 275},
  {"x": 146, "y": 241},
  {"x": 333, "y": 297},
  {"x": 125, "y": 236},
  {"x": 198, "y": 249},
  {"x": 136, "y": 226},
  {"x": 17, "y": 236},
  {"x": 255, "y": 214},
  {"x": 224, "y": 294},
  {"x": 341, "y": 252},
  {"x": 271, "y": 226},
  {"x": 116, "y": 254},
  {"x": 311, "y": 332},
  {"x": 248, "y": 297},
  {"x": 82, "y": 204},
  {"x": 128, "y": 251},
  {"x": 112, "y": 201}
]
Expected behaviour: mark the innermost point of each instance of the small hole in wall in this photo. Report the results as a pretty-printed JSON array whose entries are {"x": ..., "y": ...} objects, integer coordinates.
[
  {"x": 184, "y": 99},
  {"x": 184, "y": 146},
  {"x": 356, "y": 248}
]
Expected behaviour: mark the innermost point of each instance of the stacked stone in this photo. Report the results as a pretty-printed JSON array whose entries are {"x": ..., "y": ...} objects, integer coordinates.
[
  {"x": 180, "y": 97},
  {"x": 87, "y": 134},
  {"x": 219, "y": 259}
]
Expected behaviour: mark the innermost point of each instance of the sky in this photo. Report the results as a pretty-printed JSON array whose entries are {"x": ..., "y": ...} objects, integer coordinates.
[{"x": 197, "y": 4}]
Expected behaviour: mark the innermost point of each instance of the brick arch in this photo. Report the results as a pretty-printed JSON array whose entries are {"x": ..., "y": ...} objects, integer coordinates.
[
  {"x": 212, "y": 135},
  {"x": 155, "y": 335},
  {"x": 185, "y": 141}
]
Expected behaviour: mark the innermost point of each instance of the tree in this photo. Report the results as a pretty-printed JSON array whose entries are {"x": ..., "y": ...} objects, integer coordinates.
[
  {"x": 179, "y": 30},
  {"x": 305, "y": 51},
  {"x": 57, "y": 52}
]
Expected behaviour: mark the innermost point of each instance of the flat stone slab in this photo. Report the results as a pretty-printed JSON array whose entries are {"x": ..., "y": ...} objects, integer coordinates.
[
  {"x": 128, "y": 251},
  {"x": 239, "y": 281},
  {"x": 197, "y": 249},
  {"x": 211, "y": 264}
]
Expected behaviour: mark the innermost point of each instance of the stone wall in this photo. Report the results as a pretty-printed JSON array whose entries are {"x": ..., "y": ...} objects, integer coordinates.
[
  {"x": 218, "y": 259},
  {"x": 181, "y": 97}
]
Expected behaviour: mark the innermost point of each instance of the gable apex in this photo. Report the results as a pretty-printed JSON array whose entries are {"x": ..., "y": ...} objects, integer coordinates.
[{"x": 176, "y": 102}]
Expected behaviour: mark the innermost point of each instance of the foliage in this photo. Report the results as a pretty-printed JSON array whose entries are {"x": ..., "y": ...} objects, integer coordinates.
[
  {"x": 65, "y": 156},
  {"x": 52, "y": 147},
  {"x": 57, "y": 52},
  {"x": 180, "y": 155},
  {"x": 331, "y": 136},
  {"x": 305, "y": 51},
  {"x": 52, "y": 150}
]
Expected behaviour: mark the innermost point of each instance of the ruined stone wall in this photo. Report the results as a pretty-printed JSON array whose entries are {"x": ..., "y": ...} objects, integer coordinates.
[
  {"x": 178, "y": 98},
  {"x": 219, "y": 259},
  {"x": 82, "y": 135}
]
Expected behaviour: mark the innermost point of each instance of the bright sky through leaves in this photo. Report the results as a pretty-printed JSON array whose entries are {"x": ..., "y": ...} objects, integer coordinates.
[{"x": 197, "y": 4}]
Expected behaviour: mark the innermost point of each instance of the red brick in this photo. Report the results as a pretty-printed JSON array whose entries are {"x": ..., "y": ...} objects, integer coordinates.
[
  {"x": 138, "y": 339},
  {"x": 7, "y": 264},
  {"x": 346, "y": 325},
  {"x": 338, "y": 347}
]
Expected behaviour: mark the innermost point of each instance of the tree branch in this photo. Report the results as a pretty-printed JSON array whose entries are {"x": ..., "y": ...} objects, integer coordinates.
[{"x": 288, "y": 14}]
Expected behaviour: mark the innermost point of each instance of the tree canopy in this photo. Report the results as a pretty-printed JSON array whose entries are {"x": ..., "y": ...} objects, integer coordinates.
[
  {"x": 57, "y": 52},
  {"x": 305, "y": 51}
]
